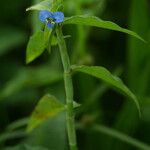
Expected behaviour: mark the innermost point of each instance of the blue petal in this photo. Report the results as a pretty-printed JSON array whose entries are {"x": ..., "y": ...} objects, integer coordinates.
[
  {"x": 58, "y": 16},
  {"x": 50, "y": 25},
  {"x": 45, "y": 14}
]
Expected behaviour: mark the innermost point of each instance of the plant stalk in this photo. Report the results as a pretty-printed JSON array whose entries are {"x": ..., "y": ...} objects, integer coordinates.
[{"x": 68, "y": 89}]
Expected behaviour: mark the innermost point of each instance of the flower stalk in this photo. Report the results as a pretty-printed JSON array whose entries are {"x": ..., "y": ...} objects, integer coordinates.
[{"x": 68, "y": 89}]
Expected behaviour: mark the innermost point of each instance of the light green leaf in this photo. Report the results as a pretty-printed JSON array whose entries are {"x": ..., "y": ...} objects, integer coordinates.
[
  {"x": 106, "y": 76},
  {"x": 36, "y": 46},
  {"x": 47, "y": 107},
  {"x": 57, "y": 5},
  {"x": 76, "y": 105},
  {"x": 97, "y": 22},
  {"x": 44, "y": 5},
  {"x": 47, "y": 5}
]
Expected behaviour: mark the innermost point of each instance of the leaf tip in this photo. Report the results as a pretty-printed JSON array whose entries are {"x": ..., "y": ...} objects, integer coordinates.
[
  {"x": 28, "y": 60},
  {"x": 27, "y": 9}
]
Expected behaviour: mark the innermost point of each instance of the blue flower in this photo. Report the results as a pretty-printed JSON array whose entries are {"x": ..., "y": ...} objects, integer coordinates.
[
  {"x": 51, "y": 18},
  {"x": 44, "y": 15},
  {"x": 58, "y": 16}
]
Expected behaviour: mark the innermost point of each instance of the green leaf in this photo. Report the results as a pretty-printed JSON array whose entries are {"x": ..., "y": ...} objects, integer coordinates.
[
  {"x": 47, "y": 5},
  {"x": 17, "y": 124},
  {"x": 50, "y": 134},
  {"x": 39, "y": 41},
  {"x": 76, "y": 105},
  {"x": 121, "y": 136},
  {"x": 138, "y": 71},
  {"x": 31, "y": 77},
  {"x": 106, "y": 76},
  {"x": 25, "y": 147},
  {"x": 44, "y": 5},
  {"x": 57, "y": 5},
  {"x": 10, "y": 38},
  {"x": 97, "y": 22},
  {"x": 47, "y": 107},
  {"x": 12, "y": 135},
  {"x": 36, "y": 46}
]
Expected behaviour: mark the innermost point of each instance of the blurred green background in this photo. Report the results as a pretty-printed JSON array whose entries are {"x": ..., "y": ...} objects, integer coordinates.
[{"x": 21, "y": 85}]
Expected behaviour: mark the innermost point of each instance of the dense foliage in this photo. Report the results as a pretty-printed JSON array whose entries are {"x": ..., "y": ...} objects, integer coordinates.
[{"x": 112, "y": 108}]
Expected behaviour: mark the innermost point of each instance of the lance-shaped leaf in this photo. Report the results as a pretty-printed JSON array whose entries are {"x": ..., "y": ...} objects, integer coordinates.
[
  {"x": 47, "y": 107},
  {"x": 37, "y": 44},
  {"x": 120, "y": 136},
  {"x": 44, "y": 5},
  {"x": 97, "y": 22},
  {"x": 35, "y": 47},
  {"x": 32, "y": 77},
  {"x": 47, "y": 5},
  {"x": 25, "y": 147},
  {"x": 10, "y": 38},
  {"x": 106, "y": 76}
]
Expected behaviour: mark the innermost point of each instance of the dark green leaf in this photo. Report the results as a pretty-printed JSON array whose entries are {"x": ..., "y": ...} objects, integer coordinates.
[
  {"x": 36, "y": 46},
  {"x": 25, "y": 147},
  {"x": 12, "y": 135},
  {"x": 106, "y": 76},
  {"x": 121, "y": 136},
  {"x": 32, "y": 77},
  {"x": 50, "y": 133},
  {"x": 97, "y": 22},
  {"x": 10, "y": 38}
]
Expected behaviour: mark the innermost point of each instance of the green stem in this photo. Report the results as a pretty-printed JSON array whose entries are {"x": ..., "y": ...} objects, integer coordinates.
[{"x": 68, "y": 89}]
